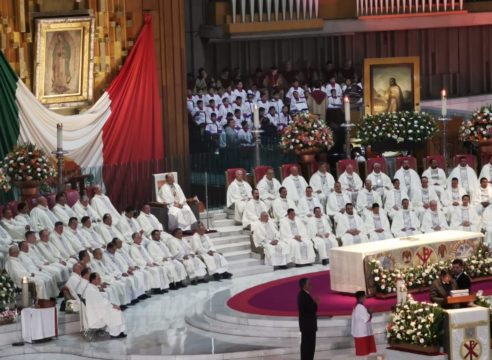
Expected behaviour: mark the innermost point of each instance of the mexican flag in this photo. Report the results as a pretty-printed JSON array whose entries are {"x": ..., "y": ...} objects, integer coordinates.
[{"x": 124, "y": 126}]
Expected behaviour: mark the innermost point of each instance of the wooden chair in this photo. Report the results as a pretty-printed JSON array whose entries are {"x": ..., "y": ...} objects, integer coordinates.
[
  {"x": 230, "y": 175},
  {"x": 375, "y": 160},
  {"x": 72, "y": 197},
  {"x": 259, "y": 172},
  {"x": 342, "y": 164},
  {"x": 285, "y": 170},
  {"x": 441, "y": 162},
  {"x": 471, "y": 160},
  {"x": 411, "y": 160}
]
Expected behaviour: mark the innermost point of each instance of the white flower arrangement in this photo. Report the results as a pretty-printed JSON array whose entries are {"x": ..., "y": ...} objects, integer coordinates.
[
  {"x": 8, "y": 291},
  {"x": 4, "y": 181},
  {"x": 478, "y": 127}
]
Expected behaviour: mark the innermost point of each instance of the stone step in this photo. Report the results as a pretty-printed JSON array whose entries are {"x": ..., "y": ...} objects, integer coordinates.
[
  {"x": 238, "y": 255},
  {"x": 231, "y": 239},
  {"x": 227, "y": 231},
  {"x": 223, "y": 223},
  {"x": 245, "y": 263},
  {"x": 253, "y": 270},
  {"x": 236, "y": 246}
]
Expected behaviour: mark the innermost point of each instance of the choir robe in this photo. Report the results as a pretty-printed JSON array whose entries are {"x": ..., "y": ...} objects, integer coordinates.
[
  {"x": 280, "y": 207},
  {"x": 118, "y": 292},
  {"x": 182, "y": 217},
  {"x": 335, "y": 203},
  {"x": 161, "y": 254},
  {"x": 43, "y": 218},
  {"x": 366, "y": 199},
  {"x": 296, "y": 187},
  {"x": 238, "y": 194},
  {"x": 437, "y": 179},
  {"x": 322, "y": 184},
  {"x": 461, "y": 214},
  {"x": 102, "y": 205},
  {"x": 347, "y": 222},
  {"x": 108, "y": 233},
  {"x": 403, "y": 220},
  {"x": 431, "y": 219},
  {"x": 319, "y": 230},
  {"x": 467, "y": 179},
  {"x": 409, "y": 180},
  {"x": 482, "y": 195},
  {"x": 51, "y": 253},
  {"x": 31, "y": 267},
  {"x": 81, "y": 211},
  {"x": 101, "y": 313},
  {"x": 302, "y": 252},
  {"x": 269, "y": 190},
  {"x": 392, "y": 203},
  {"x": 201, "y": 245},
  {"x": 487, "y": 224},
  {"x": 57, "y": 270},
  {"x": 305, "y": 208},
  {"x": 193, "y": 265},
  {"x": 352, "y": 184},
  {"x": 452, "y": 195},
  {"x": 141, "y": 256},
  {"x": 16, "y": 229},
  {"x": 45, "y": 287},
  {"x": 380, "y": 182},
  {"x": 263, "y": 234},
  {"x": 486, "y": 172},
  {"x": 374, "y": 222},
  {"x": 64, "y": 213},
  {"x": 93, "y": 238},
  {"x": 421, "y": 197},
  {"x": 252, "y": 211},
  {"x": 361, "y": 330},
  {"x": 149, "y": 223}
]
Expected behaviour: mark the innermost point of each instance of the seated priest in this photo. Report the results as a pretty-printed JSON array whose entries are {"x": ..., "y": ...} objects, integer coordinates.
[
  {"x": 293, "y": 232},
  {"x": 351, "y": 182},
  {"x": 269, "y": 188},
  {"x": 23, "y": 215},
  {"x": 367, "y": 198},
  {"x": 282, "y": 204},
  {"x": 148, "y": 221},
  {"x": 266, "y": 235},
  {"x": 350, "y": 227},
  {"x": 307, "y": 204},
  {"x": 203, "y": 247},
  {"x": 100, "y": 312},
  {"x": 109, "y": 231},
  {"x": 422, "y": 196},
  {"x": 42, "y": 217},
  {"x": 128, "y": 225},
  {"x": 405, "y": 221},
  {"x": 377, "y": 224},
  {"x": 254, "y": 207},
  {"x": 486, "y": 171},
  {"x": 16, "y": 229},
  {"x": 322, "y": 183},
  {"x": 62, "y": 243},
  {"x": 75, "y": 237},
  {"x": 483, "y": 196},
  {"x": 335, "y": 204},
  {"x": 465, "y": 217},
  {"x": 62, "y": 210},
  {"x": 452, "y": 196},
  {"x": 295, "y": 185},
  {"x": 319, "y": 230},
  {"x": 466, "y": 176},
  {"x": 90, "y": 235},
  {"x": 380, "y": 181},
  {"x": 238, "y": 194},
  {"x": 83, "y": 208},
  {"x": 433, "y": 219},
  {"x": 102, "y": 205},
  {"x": 180, "y": 214},
  {"x": 50, "y": 251},
  {"x": 392, "y": 203},
  {"x": 441, "y": 289},
  {"x": 463, "y": 281},
  {"x": 409, "y": 179},
  {"x": 70, "y": 288},
  {"x": 436, "y": 176}
]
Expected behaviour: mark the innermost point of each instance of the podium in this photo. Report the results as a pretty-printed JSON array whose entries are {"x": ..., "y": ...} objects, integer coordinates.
[{"x": 467, "y": 332}]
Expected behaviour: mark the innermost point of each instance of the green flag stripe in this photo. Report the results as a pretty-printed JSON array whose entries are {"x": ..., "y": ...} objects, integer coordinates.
[{"x": 9, "y": 112}]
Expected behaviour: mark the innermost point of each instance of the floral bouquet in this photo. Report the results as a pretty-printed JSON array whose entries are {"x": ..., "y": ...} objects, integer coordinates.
[
  {"x": 8, "y": 316},
  {"x": 26, "y": 162},
  {"x": 415, "y": 322},
  {"x": 478, "y": 127},
  {"x": 306, "y": 133},
  {"x": 399, "y": 127},
  {"x": 8, "y": 291},
  {"x": 4, "y": 181}
]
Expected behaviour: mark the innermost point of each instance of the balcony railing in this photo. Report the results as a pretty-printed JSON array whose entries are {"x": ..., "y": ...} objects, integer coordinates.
[
  {"x": 391, "y": 7},
  {"x": 273, "y": 10}
]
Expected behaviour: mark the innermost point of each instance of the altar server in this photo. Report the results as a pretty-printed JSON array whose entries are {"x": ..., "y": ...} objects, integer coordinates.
[
  {"x": 269, "y": 188},
  {"x": 62, "y": 210},
  {"x": 409, "y": 179},
  {"x": 238, "y": 194},
  {"x": 307, "y": 204},
  {"x": 380, "y": 181},
  {"x": 321, "y": 233},
  {"x": 266, "y": 235},
  {"x": 433, "y": 219},
  {"x": 181, "y": 250},
  {"x": 362, "y": 327},
  {"x": 102, "y": 205},
  {"x": 350, "y": 227},
  {"x": 405, "y": 221},
  {"x": 83, "y": 208},
  {"x": 293, "y": 231},
  {"x": 335, "y": 205},
  {"x": 483, "y": 196},
  {"x": 295, "y": 185},
  {"x": 254, "y": 207},
  {"x": 351, "y": 182},
  {"x": 367, "y": 198},
  {"x": 465, "y": 217},
  {"x": 422, "y": 197},
  {"x": 486, "y": 171},
  {"x": 436, "y": 176},
  {"x": 466, "y": 176},
  {"x": 42, "y": 217},
  {"x": 377, "y": 224},
  {"x": 393, "y": 199},
  {"x": 322, "y": 183}
]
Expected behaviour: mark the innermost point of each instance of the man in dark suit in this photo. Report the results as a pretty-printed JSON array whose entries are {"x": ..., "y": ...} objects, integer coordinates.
[
  {"x": 462, "y": 280},
  {"x": 441, "y": 289},
  {"x": 308, "y": 322}
]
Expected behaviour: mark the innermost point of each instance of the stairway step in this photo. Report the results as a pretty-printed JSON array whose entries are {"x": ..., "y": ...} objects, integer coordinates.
[
  {"x": 224, "y": 223},
  {"x": 245, "y": 263},
  {"x": 227, "y": 231},
  {"x": 236, "y": 246},
  {"x": 231, "y": 239},
  {"x": 238, "y": 255},
  {"x": 253, "y": 270}
]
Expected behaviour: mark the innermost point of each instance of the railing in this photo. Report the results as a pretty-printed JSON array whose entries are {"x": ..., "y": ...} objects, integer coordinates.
[
  {"x": 389, "y": 7},
  {"x": 282, "y": 10}
]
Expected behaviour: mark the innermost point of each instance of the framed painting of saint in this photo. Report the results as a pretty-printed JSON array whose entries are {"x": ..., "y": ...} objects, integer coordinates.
[
  {"x": 391, "y": 85},
  {"x": 64, "y": 61}
]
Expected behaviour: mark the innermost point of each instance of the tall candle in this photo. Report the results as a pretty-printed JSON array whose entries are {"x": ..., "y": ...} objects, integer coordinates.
[
  {"x": 346, "y": 103},
  {"x": 256, "y": 117},
  {"x": 25, "y": 292},
  {"x": 444, "y": 103},
  {"x": 59, "y": 136}
]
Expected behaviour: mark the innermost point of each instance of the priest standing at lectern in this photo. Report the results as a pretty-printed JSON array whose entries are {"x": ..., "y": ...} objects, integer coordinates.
[
  {"x": 180, "y": 214},
  {"x": 238, "y": 194}
]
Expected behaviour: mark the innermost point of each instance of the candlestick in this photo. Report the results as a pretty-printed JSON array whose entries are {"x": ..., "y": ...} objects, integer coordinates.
[
  {"x": 59, "y": 136},
  {"x": 444, "y": 103},
  {"x": 346, "y": 103},
  {"x": 256, "y": 117},
  {"x": 25, "y": 292}
]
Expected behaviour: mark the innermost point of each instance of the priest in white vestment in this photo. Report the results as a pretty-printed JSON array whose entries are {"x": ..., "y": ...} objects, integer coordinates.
[
  {"x": 409, "y": 179},
  {"x": 50, "y": 251},
  {"x": 90, "y": 235},
  {"x": 335, "y": 205},
  {"x": 100, "y": 312},
  {"x": 109, "y": 231},
  {"x": 266, "y": 235},
  {"x": 433, "y": 219},
  {"x": 42, "y": 217},
  {"x": 452, "y": 196},
  {"x": 128, "y": 225},
  {"x": 179, "y": 212},
  {"x": 322, "y": 183},
  {"x": 83, "y": 208},
  {"x": 73, "y": 234},
  {"x": 282, "y": 204},
  {"x": 436, "y": 176},
  {"x": 487, "y": 225},
  {"x": 70, "y": 287},
  {"x": 62, "y": 243},
  {"x": 467, "y": 177},
  {"x": 238, "y": 194},
  {"x": 295, "y": 185},
  {"x": 293, "y": 231},
  {"x": 307, "y": 204},
  {"x": 62, "y": 210},
  {"x": 350, "y": 227},
  {"x": 5, "y": 242},
  {"x": 320, "y": 231},
  {"x": 23, "y": 215},
  {"x": 269, "y": 188},
  {"x": 203, "y": 247},
  {"x": 422, "y": 197},
  {"x": 392, "y": 203},
  {"x": 16, "y": 229},
  {"x": 351, "y": 182},
  {"x": 182, "y": 251},
  {"x": 483, "y": 196},
  {"x": 405, "y": 221},
  {"x": 486, "y": 171},
  {"x": 465, "y": 217},
  {"x": 254, "y": 207},
  {"x": 377, "y": 224},
  {"x": 379, "y": 180},
  {"x": 148, "y": 221},
  {"x": 102, "y": 205},
  {"x": 366, "y": 199}
]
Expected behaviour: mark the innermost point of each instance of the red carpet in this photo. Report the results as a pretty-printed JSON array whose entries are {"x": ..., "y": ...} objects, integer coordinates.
[{"x": 279, "y": 297}]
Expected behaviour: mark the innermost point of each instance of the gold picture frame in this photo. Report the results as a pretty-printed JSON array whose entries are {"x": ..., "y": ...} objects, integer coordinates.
[
  {"x": 64, "y": 61},
  {"x": 391, "y": 84}
]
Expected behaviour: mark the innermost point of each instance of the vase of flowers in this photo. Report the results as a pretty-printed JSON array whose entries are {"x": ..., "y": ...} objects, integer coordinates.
[
  {"x": 478, "y": 130},
  {"x": 8, "y": 293}
]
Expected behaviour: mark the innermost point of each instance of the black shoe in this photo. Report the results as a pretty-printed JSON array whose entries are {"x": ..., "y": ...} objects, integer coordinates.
[
  {"x": 143, "y": 297},
  {"x": 181, "y": 284},
  {"x": 284, "y": 267},
  {"x": 173, "y": 286},
  {"x": 226, "y": 275},
  {"x": 164, "y": 291},
  {"x": 120, "y": 336},
  {"x": 217, "y": 277},
  {"x": 156, "y": 291},
  {"x": 203, "y": 281},
  {"x": 325, "y": 262},
  {"x": 62, "y": 305},
  {"x": 123, "y": 307},
  {"x": 193, "y": 282},
  {"x": 134, "y": 302}
]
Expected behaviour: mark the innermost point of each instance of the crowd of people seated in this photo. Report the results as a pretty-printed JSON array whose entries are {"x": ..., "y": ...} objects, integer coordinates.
[
  {"x": 221, "y": 109},
  {"x": 92, "y": 254},
  {"x": 294, "y": 220}
]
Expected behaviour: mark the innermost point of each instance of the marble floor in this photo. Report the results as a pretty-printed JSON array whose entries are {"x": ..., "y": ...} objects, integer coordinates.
[{"x": 157, "y": 329}]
